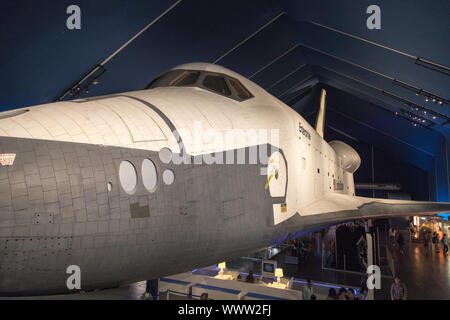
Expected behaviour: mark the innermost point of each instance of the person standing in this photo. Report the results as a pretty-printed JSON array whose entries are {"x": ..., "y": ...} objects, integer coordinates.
[
  {"x": 331, "y": 294},
  {"x": 250, "y": 277},
  {"x": 350, "y": 294},
  {"x": 436, "y": 242},
  {"x": 307, "y": 290},
  {"x": 151, "y": 289},
  {"x": 445, "y": 244},
  {"x": 342, "y": 294},
  {"x": 398, "y": 290}
]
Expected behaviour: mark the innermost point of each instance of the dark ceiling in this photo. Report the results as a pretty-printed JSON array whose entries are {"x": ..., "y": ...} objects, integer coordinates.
[{"x": 287, "y": 47}]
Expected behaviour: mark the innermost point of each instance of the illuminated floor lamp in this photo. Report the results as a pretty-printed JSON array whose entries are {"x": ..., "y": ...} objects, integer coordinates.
[
  {"x": 221, "y": 266},
  {"x": 278, "y": 274}
]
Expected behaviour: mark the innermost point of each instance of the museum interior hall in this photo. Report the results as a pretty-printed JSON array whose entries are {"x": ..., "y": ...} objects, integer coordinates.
[{"x": 384, "y": 68}]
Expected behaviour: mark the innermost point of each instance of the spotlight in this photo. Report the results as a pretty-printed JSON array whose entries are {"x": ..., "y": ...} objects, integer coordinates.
[
  {"x": 426, "y": 99},
  {"x": 440, "y": 102},
  {"x": 434, "y": 117}
]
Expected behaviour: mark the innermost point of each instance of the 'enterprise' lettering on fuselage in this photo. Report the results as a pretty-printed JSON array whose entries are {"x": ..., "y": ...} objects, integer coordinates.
[{"x": 303, "y": 131}]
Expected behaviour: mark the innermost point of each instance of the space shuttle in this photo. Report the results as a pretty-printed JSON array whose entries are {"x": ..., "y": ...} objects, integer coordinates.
[{"x": 202, "y": 166}]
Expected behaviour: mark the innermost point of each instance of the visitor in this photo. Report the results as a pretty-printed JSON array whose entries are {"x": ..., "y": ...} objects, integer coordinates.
[
  {"x": 445, "y": 244},
  {"x": 331, "y": 294},
  {"x": 342, "y": 294},
  {"x": 204, "y": 296},
  {"x": 398, "y": 290},
  {"x": 350, "y": 294},
  {"x": 438, "y": 249},
  {"x": 151, "y": 289},
  {"x": 435, "y": 242},
  {"x": 307, "y": 290},
  {"x": 250, "y": 277}
]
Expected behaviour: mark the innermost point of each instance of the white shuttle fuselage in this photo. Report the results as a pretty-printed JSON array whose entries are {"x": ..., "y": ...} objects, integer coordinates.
[{"x": 143, "y": 184}]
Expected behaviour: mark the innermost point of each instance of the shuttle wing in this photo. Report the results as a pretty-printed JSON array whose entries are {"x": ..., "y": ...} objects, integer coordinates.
[{"x": 336, "y": 207}]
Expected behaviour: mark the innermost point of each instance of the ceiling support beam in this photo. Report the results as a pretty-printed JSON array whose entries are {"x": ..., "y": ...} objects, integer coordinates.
[
  {"x": 380, "y": 132},
  {"x": 100, "y": 66},
  {"x": 417, "y": 60},
  {"x": 274, "y": 60},
  {"x": 249, "y": 37},
  {"x": 369, "y": 70},
  {"x": 396, "y": 97},
  {"x": 296, "y": 85},
  {"x": 285, "y": 77}
]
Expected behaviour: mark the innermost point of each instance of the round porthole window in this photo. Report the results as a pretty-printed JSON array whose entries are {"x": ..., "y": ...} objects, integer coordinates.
[
  {"x": 168, "y": 176},
  {"x": 165, "y": 155},
  {"x": 128, "y": 176},
  {"x": 149, "y": 175}
]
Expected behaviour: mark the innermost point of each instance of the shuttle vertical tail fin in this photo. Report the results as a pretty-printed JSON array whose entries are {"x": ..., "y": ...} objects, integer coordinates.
[{"x": 320, "y": 120}]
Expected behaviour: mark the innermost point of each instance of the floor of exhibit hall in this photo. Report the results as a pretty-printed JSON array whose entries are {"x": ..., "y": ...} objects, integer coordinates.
[{"x": 426, "y": 274}]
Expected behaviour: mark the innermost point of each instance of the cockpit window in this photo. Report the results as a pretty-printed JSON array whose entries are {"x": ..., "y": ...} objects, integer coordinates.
[
  {"x": 241, "y": 91},
  {"x": 165, "y": 79},
  {"x": 187, "y": 78},
  {"x": 177, "y": 78},
  {"x": 217, "y": 83}
]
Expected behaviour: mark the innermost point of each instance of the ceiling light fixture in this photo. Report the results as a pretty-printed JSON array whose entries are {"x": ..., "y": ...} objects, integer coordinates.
[
  {"x": 416, "y": 107},
  {"x": 418, "y": 91},
  {"x": 83, "y": 85},
  {"x": 432, "y": 66}
]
